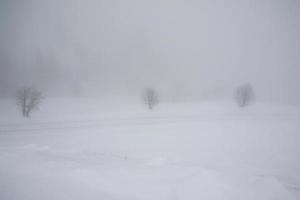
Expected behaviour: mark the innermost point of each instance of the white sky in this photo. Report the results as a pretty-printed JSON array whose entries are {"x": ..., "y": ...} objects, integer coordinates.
[{"x": 188, "y": 48}]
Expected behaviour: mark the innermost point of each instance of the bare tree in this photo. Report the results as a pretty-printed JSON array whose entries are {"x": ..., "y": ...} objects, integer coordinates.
[
  {"x": 150, "y": 98},
  {"x": 244, "y": 95},
  {"x": 28, "y": 98}
]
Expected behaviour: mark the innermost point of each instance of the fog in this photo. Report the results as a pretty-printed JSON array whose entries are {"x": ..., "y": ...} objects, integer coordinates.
[{"x": 185, "y": 49}]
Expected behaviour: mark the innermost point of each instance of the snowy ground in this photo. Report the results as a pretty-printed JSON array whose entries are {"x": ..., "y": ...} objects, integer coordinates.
[{"x": 92, "y": 149}]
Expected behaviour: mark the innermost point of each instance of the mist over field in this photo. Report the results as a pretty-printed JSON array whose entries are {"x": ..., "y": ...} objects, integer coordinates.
[
  {"x": 149, "y": 99},
  {"x": 185, "y": 49}
]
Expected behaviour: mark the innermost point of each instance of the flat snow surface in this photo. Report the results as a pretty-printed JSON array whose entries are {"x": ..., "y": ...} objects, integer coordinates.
[{"x": 73, "y": 149}]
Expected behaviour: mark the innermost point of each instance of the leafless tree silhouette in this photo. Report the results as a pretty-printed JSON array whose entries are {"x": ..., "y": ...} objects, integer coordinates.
[
  {"x": 28, "y": 99},
  {"x": 150, "y": 97},
  {"x": 244, "y": 95}
]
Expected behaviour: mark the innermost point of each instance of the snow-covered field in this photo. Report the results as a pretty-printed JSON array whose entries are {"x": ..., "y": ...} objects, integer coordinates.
[{"x": 118, "y": 150}]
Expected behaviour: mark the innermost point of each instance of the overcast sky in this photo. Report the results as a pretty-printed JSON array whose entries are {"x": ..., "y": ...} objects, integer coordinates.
[{"x": 191, "y": 48}]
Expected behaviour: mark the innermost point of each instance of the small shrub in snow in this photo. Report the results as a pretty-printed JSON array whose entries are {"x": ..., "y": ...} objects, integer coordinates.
[
  {"x": 28, "y": 99},
  {"x": 244, "y": 95},
  {"x": 150, "y": 98}
]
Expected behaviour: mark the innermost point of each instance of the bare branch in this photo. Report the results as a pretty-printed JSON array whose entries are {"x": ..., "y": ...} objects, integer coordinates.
[
  {"x": 28, "y": 98},
  {"x": 244, "y": 95},
  {"x": 150, "y": 98}
]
